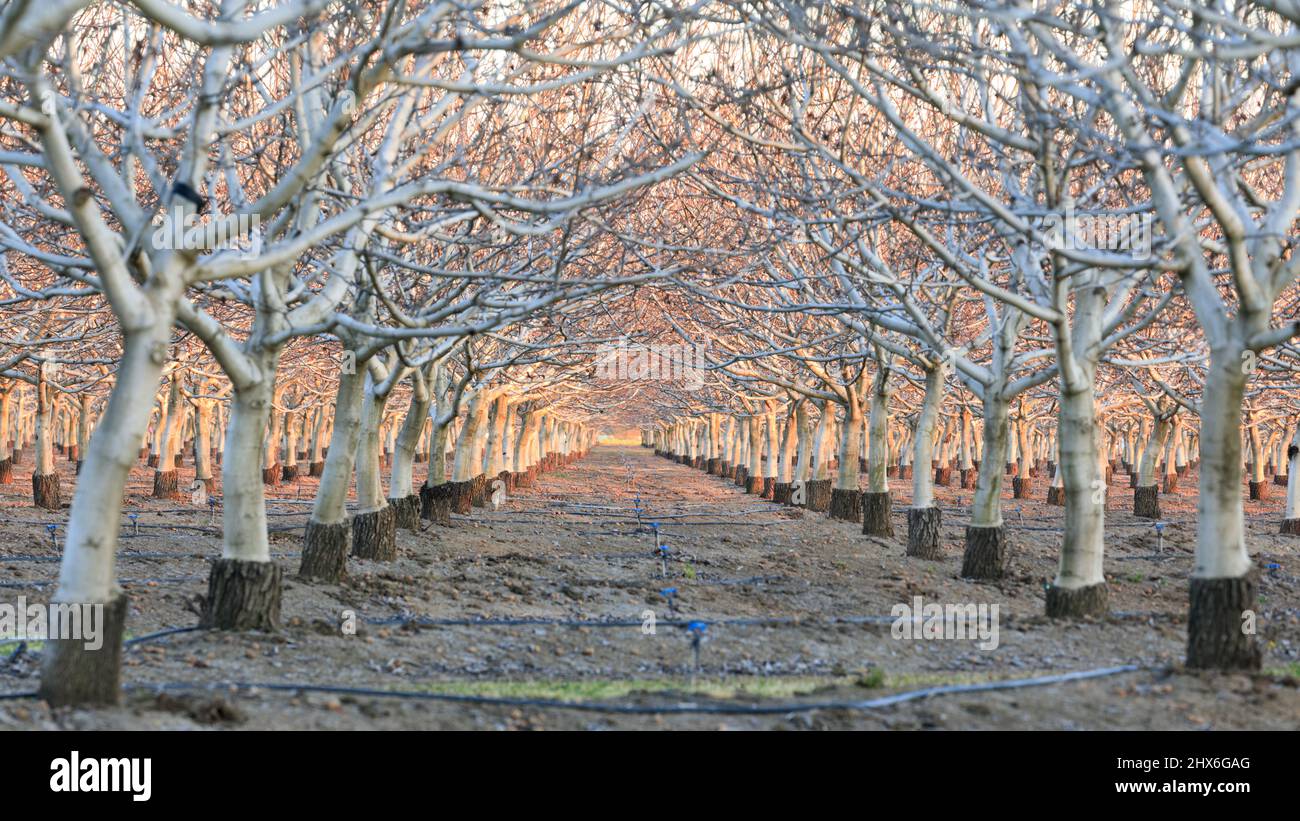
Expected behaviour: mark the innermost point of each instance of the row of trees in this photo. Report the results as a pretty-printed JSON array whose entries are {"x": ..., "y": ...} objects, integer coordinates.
[
  {"x": 250, "y": 211},
  {"x": 1081, "y": 213},
  {"x": 1051, "y": 235}
]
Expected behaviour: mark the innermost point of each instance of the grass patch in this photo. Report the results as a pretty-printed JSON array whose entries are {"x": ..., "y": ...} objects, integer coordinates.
[
  {"x": 1292, "y": 670},
  {"x": 8, "y": 646},
  {"x": 771, "y": 687}
]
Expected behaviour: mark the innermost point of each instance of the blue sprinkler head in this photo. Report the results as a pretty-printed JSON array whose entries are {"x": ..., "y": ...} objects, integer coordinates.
[
  {"x": 1160, "y": 527},
  {"x": 669, "y": 592}
]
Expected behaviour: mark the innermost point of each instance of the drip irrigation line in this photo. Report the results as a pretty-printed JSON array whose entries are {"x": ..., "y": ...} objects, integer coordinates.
[
  {"x": 684, "y": 708},
  {"x": 766, "y": 523},
  {"x": 161, "y": 580},
  {"x": 680, "y": 506},
  {"x": 774, "y": 621},
  {"x": 744, "y": 581},
  {"x": 648, "y": 514},
  {"x": 620, "y": 519},
  {"x": 141, "y": 554},
  {"x": 170, "y": 631}
]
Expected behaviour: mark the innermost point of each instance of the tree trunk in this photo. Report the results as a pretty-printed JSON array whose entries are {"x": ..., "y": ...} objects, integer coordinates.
[
  {"x": 986, "y": 547},
  {"x": 324, "y": 556},
  {"x": 818, "y": 495},
  {"x": 245, "y": 550},
  {"x": 1222, "y": 587},
  {"x": 406, "y": 512},
  {"x": 846, "y": 505},
  {"x": 325, "y": 552},
  {"x": 1216, "y": 625},
  {"x": 242, "y": 595},
  {"x": 1080, "y": 586},
  {"x": 1146, "y": 502},
  {"x": 374, "y": 534},
  {"x": 45, "y": 491},
  {"x": 876, "y": 519},
  {"x": 435, "y": 503},
  {"x": 72, "y": 674},
  {"x": 924, "y": 525},
  {"x": 986, "y": 553}
]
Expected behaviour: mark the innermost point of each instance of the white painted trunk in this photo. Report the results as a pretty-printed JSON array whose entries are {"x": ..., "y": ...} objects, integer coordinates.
[
  {"x": 466, "y": 465},
  {"x": 986, "y": 507},
  {"x": 370, "y": 487},
  {"x": 850, "y": 438},
  {"x": 401, "y": 480},
  {"x": 330, "y": 507},
  {"x": 243, "y": 503},
  {"x": 922, "y": 477},
  {"x": 1220, "y": 540},
  {"x": 878, "y": 437},
  {"x": 87, "y": 572},
  {"x": 1083, "y": 544}
]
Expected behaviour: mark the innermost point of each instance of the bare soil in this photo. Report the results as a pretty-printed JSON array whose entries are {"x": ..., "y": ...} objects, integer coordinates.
[{"x": 575, "y": 549}]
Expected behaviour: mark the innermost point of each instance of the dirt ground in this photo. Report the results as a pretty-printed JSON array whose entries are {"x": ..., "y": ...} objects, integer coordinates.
[{"x": 797, "y": 608}]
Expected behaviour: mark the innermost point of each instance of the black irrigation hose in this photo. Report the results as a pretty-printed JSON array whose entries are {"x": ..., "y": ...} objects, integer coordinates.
[
  {"x": 646, "y": 514},
  {"x": 160, "y": 580},
  {"x": 170, "y": 631},
  {"x": 772, "y": 621},
  {"x": 631, "y": 709},
  {"x": 140, "y": 554}
]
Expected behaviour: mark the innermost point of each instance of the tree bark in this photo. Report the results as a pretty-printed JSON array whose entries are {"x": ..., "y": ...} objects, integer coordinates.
[
  {"x": 876, "y": 519},
  {"x": 325, "y": 552},
  {"x": 924, "y": 525},
  {"x": 374, "y": 534},
  {"x": 986, "y": 553},
  {"x": 73, "y": 675},
  {"x": 846, "y": 505},
  {"x": 1216, "y": 635},
  {"x": 45, "y": 491},
  {"x": 242, "y": 595}
]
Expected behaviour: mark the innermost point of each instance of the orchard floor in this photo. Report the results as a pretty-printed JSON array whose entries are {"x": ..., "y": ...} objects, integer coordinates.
[{"x": 572, "y": 549}]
